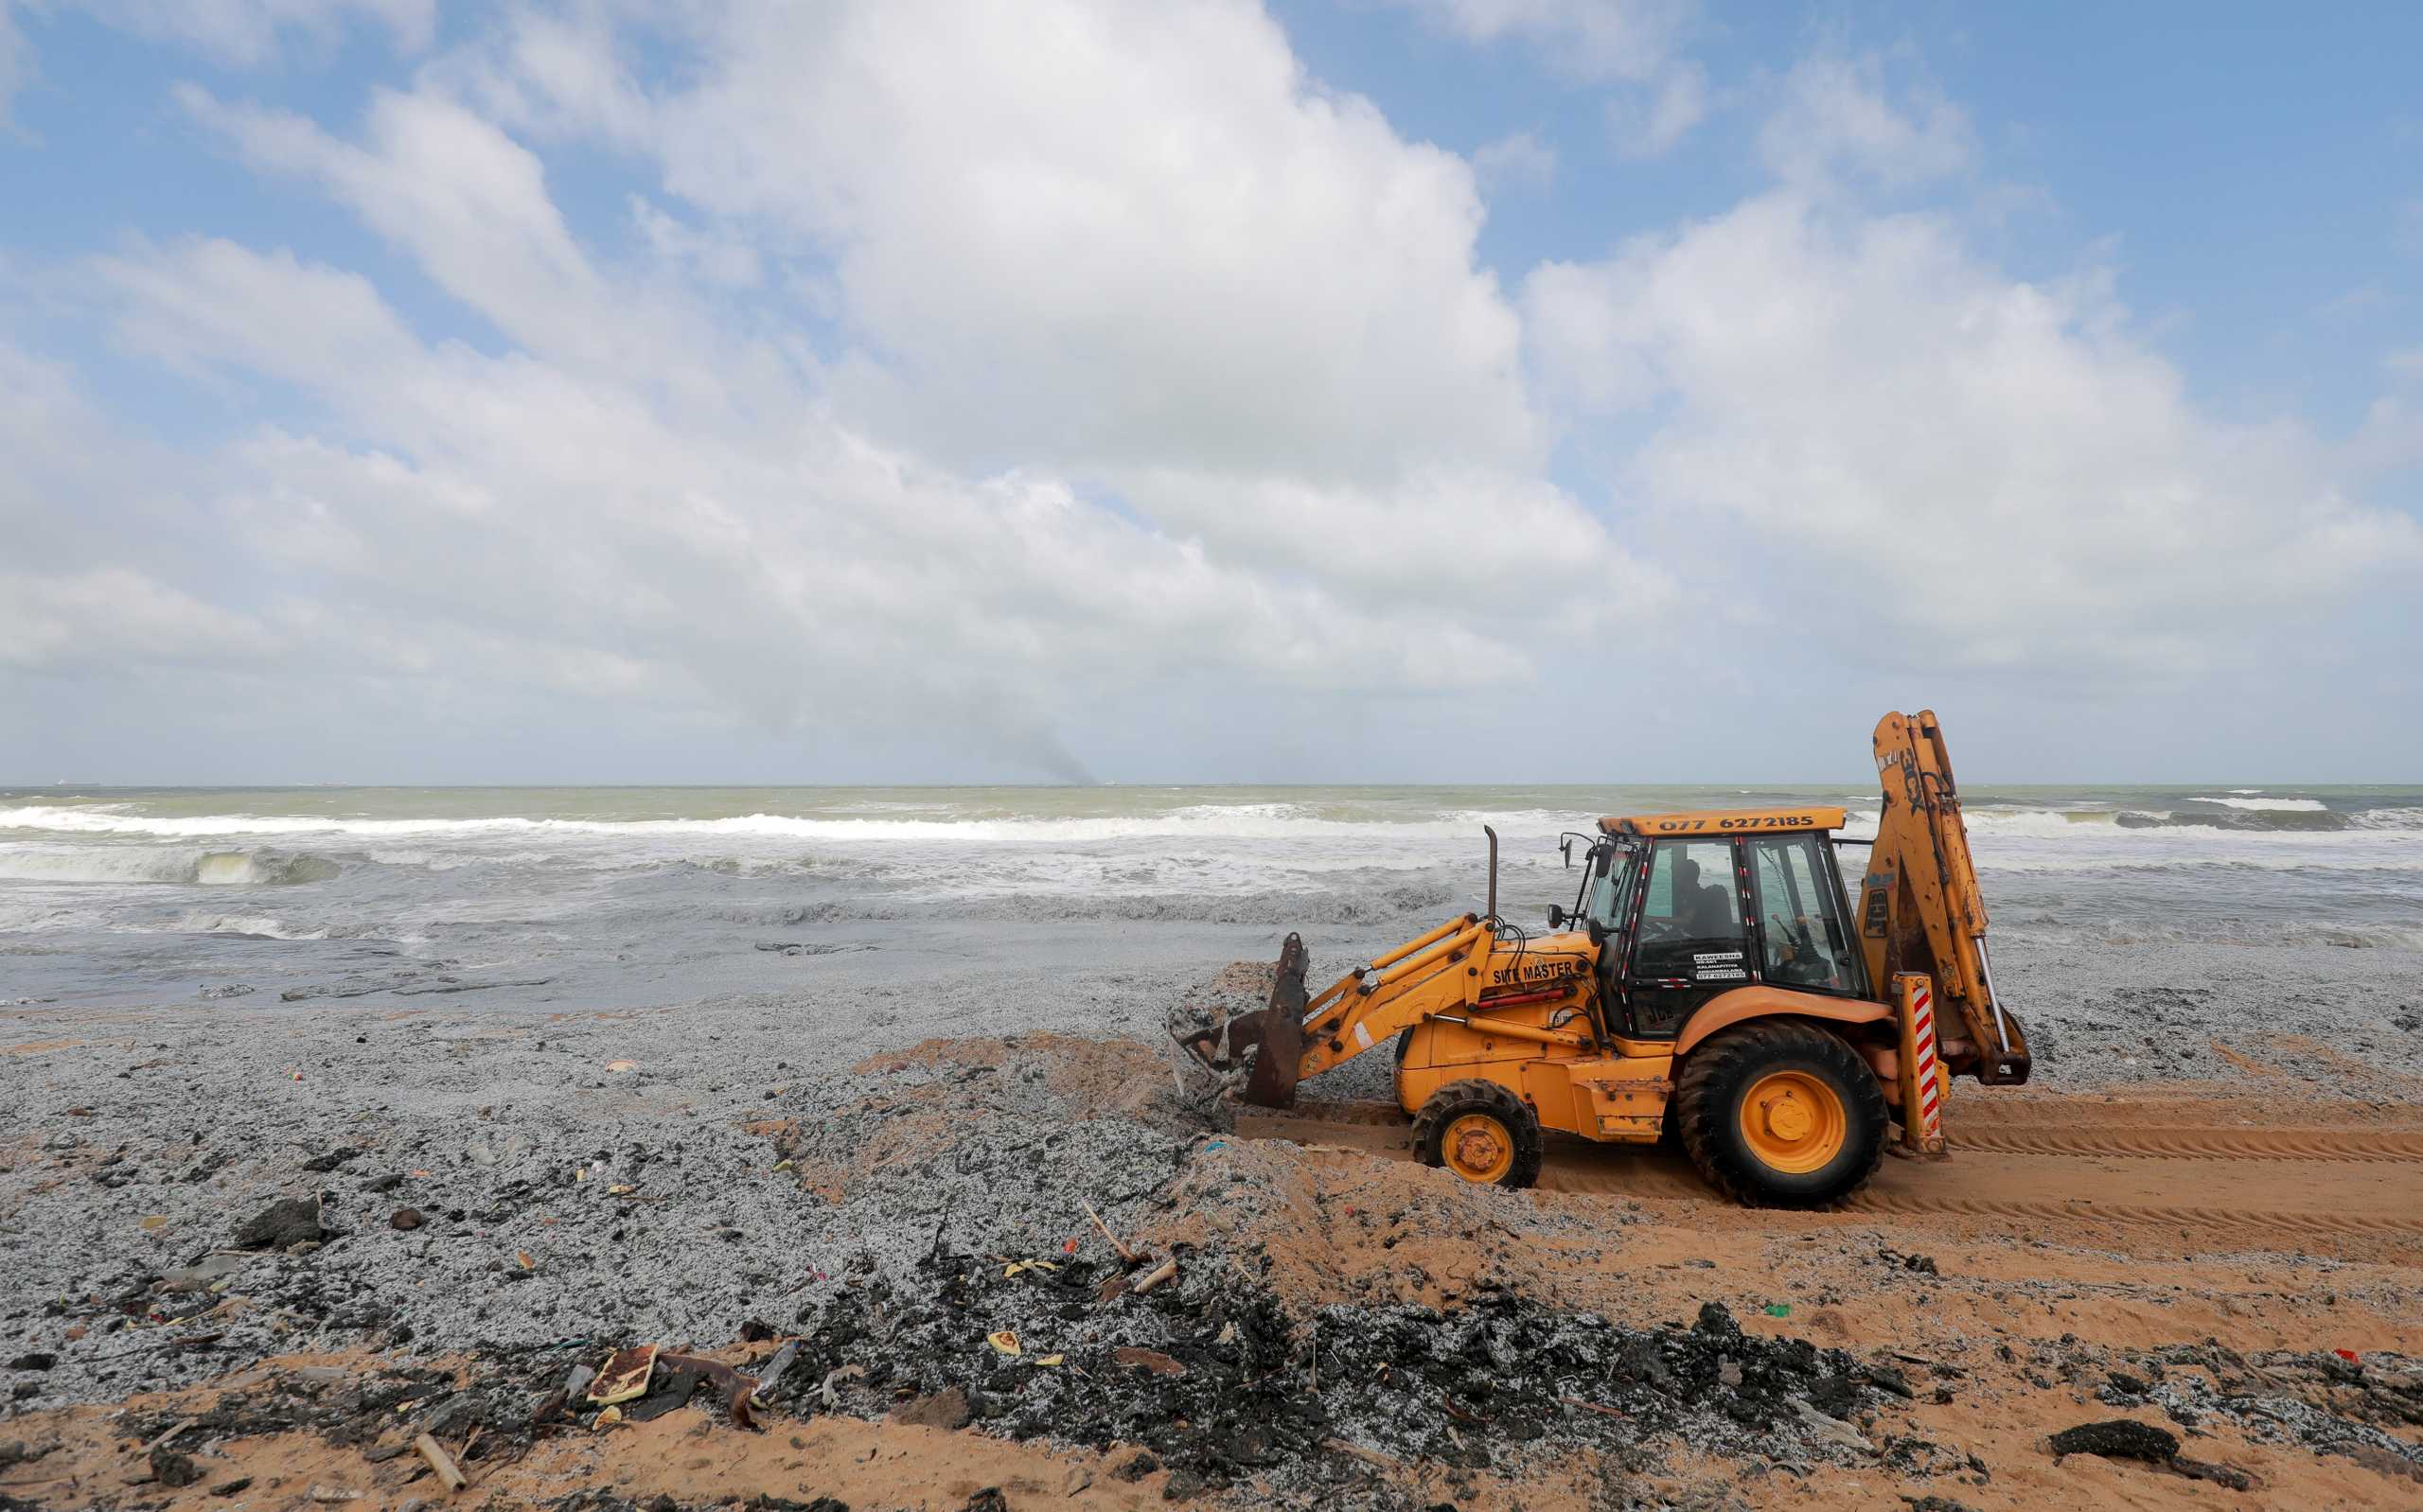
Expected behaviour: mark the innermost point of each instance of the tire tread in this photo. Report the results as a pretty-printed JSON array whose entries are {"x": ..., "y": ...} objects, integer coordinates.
[
  {"x": 1480, "y": 1094},
  {"x": 1703, "y": 1108}
]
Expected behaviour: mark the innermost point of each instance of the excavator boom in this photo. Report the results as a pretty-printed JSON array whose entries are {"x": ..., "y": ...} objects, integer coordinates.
[{"x": 1920, "y": 909}]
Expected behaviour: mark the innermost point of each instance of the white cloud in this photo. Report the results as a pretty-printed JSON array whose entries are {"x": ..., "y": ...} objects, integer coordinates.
[
  {"x": 211, "y": 303},
  {"x": 251, "y": 33},
  {"x": 1649, "y": 121},
  {"x": 967, "y": 380},
  {"x": 2391, "y": 437},
  {"x": 111, "y": 616},
  {"x": 1843, "y": 116},
  {"x": 1092, "y": 234},
  {"x": 1656, "y": 95},
  {"x": 1519, "y": 160},
  {"x": 1591, "y": 39},
  {"x": 16, "y": 61},
  {"x": 717, "y": 257},
  {"x": 2006, "y": 475},
  {"x": 1250, "y": 314},
  {"x": 465, "y": 198},
  {"x": 568, "y": 523}
]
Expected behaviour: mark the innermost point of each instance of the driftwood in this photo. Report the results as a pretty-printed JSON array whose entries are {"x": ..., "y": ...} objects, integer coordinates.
[
  {"x": 440, "y": 1463},
  {"x": 164, "y": 1438},
  {"x": 1340, "y": 1446},
  {"x": 1124, "y": 1253}
]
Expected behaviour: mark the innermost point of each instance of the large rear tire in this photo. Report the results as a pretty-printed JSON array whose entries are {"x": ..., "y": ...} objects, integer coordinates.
[
  {"x": 1778, "y": 1113},
  {"x": 1481, "y": 1132}
]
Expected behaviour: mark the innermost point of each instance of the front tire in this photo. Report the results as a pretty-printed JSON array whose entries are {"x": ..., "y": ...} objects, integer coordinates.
[
  {"x": 1481, "y": 1132},
  {"x": 1778, "y": 1113}
]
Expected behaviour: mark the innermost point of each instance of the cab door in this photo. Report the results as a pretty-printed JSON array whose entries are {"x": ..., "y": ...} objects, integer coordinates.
[
  {"x": 1689, "y": 943},
  {"x": 1804, "y": 941}
]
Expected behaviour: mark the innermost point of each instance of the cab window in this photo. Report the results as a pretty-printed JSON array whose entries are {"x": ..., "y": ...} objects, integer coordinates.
[
  {"x": 1803, "y": 940},
  {"x": 1607, "y": 899},
  {"x": 1691, "y": 923}
]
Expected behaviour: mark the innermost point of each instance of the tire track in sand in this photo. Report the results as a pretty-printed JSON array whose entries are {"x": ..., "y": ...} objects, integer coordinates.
[
  {"x": 1650, "y": 1175},
  {"x": 2197, "y": 1144},
  {"x": 2317, "y": 1223},
  {"x": 2297, "y": 1184}
]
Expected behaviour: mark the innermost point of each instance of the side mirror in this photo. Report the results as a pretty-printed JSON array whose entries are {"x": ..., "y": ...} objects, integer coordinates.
[
  {"x": 1556, "y": 916},
  {"x": 1606, "y": 860}
]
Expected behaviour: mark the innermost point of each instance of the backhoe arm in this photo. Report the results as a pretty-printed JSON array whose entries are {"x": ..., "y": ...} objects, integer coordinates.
[{"x": 1920, "y": 909}]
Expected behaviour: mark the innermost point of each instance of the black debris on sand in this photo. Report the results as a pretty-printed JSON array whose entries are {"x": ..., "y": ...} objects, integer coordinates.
[
  {"x": 2122, "y": 1438},
  {"x": 1503, "y": 1382}
]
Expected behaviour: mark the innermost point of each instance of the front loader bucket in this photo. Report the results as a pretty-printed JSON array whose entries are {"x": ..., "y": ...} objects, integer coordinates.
[
  {"x": 1265, "y": 1047},
  {"x": 1279, "y": 1030}
]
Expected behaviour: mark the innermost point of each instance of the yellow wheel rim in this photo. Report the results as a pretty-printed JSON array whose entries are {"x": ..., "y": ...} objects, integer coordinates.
[
  {"x": 1793, "y": 1122},
  {"x": 1477, "y": 1148}
]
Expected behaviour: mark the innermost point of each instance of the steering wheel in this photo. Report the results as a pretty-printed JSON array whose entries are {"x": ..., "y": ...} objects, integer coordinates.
[
  {"x": 1806, "y": 966},
  {"x": 1656, "y": 931}
]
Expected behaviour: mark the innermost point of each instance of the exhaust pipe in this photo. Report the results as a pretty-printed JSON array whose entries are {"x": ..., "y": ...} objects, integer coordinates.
[{"x": 1493, "y": 872}]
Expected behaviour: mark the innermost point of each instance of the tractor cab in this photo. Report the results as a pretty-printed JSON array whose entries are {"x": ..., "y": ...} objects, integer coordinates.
[{"x": 1684, "y": 906}]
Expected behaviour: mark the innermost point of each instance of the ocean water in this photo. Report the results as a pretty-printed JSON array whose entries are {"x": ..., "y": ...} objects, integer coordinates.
[{"x": 645, "y": 894}]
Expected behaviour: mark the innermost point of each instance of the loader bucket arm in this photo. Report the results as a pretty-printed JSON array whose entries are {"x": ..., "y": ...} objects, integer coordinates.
[
  {"x": 1919, "y": 908},
  {"x": 1297, "y": 1037}
]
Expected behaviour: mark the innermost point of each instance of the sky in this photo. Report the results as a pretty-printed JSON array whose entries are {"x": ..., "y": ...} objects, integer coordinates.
[{"x": 1206, "y": 390}]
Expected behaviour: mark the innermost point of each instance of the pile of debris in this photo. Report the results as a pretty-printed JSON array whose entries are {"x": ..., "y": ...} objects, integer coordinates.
[
  {"x": 1223, "y": 1386},
  {"x": 2331, "y": 1402},
  {"x": 411, "y": 1423}
]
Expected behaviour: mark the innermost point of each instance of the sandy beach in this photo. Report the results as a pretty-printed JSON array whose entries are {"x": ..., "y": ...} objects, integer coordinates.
[{"x": 2203, "y": 1219}]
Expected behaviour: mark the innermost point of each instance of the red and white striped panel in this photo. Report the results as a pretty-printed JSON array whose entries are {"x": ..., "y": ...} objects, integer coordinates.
[{"x": 1930, "y": 1088}]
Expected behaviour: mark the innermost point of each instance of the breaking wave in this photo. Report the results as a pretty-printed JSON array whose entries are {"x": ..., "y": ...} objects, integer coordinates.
[
  {"x": 1987, "y": 823},
  {"x": 206, "y": 869},
  {"x": 2282, "y": 821},
  {"x": 2308, "y": 816},
  {"x": 2042, "y": 930},
  {"x": 268, "y": 927},
  {"x": 1284, "y": 909},
  {"x": 256, "y": 926},
  {"x": 1244, "y": 822}
]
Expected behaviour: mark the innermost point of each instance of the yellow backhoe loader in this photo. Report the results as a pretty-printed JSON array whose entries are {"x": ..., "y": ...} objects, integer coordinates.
[{"x": 1710, "y": 983}]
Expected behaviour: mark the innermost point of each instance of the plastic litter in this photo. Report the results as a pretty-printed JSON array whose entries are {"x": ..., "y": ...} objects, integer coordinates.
[{"x": 626, "y": 1376}]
